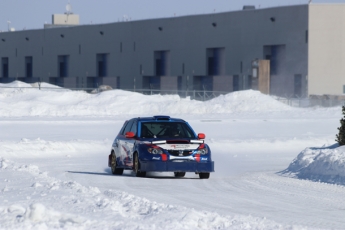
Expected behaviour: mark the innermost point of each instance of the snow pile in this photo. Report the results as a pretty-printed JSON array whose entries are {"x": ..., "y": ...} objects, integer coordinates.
[
  {"x": 246, "y": 101},
  {"x": 37, "y": 216},
  {"x": 325, "y": 164},
  {"x": 33, "y": 102},
  {"x": 99, "y": 210},
  {"x": 18, "y": 84}
]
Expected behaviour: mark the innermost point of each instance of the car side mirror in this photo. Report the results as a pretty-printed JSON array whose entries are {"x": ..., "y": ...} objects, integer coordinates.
[
  {"x": 130, "y": 135},
  {"x": 201, "y": 136}
]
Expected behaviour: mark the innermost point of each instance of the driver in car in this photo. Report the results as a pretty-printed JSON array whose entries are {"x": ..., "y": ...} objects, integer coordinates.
[{"x": 172, "y": 131}]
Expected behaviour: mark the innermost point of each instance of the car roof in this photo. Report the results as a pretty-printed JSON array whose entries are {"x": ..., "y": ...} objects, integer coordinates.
[{"x": 160, "y": 118}]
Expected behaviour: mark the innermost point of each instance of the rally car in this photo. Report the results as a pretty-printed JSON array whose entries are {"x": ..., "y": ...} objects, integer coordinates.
[{"x": 162, "y": 144}]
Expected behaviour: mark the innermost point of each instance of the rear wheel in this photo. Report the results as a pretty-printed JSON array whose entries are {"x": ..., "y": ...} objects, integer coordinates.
[
  {"x": 136, "y": 167},
  {"x": 179, "y": 174},
  {"x": 114, "y": 169},
  {"x": 204, "y": 175}
]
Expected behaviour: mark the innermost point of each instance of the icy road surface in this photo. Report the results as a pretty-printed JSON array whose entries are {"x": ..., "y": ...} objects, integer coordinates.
[{"x": 53, "y": 173}]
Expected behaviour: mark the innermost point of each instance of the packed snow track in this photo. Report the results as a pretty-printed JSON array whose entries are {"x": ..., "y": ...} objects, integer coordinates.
[{"x": 54, "y": 147}]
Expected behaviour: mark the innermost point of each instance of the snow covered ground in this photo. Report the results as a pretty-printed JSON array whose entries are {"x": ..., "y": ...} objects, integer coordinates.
[{"x": 277, "y": 167}]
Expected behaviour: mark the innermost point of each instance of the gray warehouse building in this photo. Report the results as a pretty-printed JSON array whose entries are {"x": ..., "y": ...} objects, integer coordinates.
[{"x": 303, "y": 43}]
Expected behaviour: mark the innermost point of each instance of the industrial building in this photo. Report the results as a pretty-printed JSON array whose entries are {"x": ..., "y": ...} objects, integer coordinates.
[{"x": 301, "y": 48}]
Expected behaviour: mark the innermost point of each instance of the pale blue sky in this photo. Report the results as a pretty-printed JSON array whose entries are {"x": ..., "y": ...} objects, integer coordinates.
[{"x": 32, "y": 14}]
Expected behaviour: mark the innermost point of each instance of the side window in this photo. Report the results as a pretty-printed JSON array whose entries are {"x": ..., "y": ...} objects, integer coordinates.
[
  {"x": 123, "y": 127},
  {"x": 128, "y": 127},
  {"x": 134, "y": 127}
]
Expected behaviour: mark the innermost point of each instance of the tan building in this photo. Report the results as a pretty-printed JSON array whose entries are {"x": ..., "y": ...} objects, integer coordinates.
[{"x": 326, "y": 51}]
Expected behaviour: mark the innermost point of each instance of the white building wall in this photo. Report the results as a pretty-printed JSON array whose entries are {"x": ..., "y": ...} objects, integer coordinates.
[
  {"x": 65, "y": 19},
  {"x": 326, "y": 51}
]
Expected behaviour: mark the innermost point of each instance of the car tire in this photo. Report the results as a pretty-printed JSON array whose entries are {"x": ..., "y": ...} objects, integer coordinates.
[
  {"x": 204, "y": 175},
  {"x": 179, "y": 174},
  {"x": 136, "y": 167},
  {"x": 114, "y": 169}
]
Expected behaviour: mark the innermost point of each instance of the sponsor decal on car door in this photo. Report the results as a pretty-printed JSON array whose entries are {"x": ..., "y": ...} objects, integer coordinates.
[
  {"x": 130, "y": 142},
  {"x": 122, "y": 143}
]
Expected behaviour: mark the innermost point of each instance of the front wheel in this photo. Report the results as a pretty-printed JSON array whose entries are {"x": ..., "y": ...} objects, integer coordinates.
[
  {"x": 136, "y": 167},
  {"x": 179, "y": 174},
  {"x": 114, "y": 169},
  {"x": 204, "y": 175}
]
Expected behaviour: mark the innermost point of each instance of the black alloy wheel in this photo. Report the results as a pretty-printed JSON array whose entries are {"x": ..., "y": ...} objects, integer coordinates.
[
  {"x": 114, "y": 169},
  {"x": 136, "y": 167}
]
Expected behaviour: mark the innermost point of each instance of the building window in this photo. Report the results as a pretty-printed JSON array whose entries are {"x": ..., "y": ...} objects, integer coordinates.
[
  {"x": 276, "y": 54},
  {"x": 28, "y": 66},
  {"x": 179, "y": 83},
  {"x": 236, "y": 83},
  {"x": 118, "y": 83},
  {"x": 203, "y": 83},
  {"x": 215, "y": 61},
  {"x": 102, "y": 65},
  {"x": 298, "y": 85},
  {"x": 63, "y": 65},
  {"x": 4, "y": 64},
  {"x": 152, "y": 82},
  {"x": 162, "y": 63},
  {"x": 249, "y": 82}
]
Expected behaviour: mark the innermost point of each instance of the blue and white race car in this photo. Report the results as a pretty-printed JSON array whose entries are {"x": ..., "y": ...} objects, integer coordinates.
[{"x": 161, "y": 144}]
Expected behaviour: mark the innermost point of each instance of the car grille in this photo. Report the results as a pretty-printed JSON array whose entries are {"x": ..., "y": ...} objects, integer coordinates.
[{"x": 177, "y": 152}]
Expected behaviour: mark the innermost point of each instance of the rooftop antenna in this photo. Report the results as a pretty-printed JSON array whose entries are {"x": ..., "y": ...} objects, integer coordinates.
[
  {"x": 68, "y": 9},
  {"x": 8, "y": 25}
]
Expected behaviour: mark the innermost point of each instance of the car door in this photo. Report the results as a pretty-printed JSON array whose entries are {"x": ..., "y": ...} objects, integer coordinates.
[
  {"x": 130, "y": 144},
  {"x": 116, "y": 144},
  {"x": 122, "y": 143}
]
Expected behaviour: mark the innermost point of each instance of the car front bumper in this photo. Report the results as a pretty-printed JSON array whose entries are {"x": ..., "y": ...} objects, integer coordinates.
[{"x": 173, "y": 166}]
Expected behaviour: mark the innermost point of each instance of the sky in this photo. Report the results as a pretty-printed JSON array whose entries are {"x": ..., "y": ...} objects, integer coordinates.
[{"x": 33, "y": 14}]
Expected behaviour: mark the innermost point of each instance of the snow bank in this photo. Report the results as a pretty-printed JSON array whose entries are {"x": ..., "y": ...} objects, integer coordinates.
[
  {"x": 19, "y": 84},
  {"x": 42, "y": 148},
  {"x": 16, "y": 84},
  {"x": 325, "y": 164},
  {"x": 51, "y": 102},
  {"x": 109, "y": 209}
]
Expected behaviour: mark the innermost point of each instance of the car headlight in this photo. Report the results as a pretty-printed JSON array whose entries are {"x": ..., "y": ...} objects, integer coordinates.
[
  {"x": 155, "y": 150},
  {"x": 202, "y": 150}
]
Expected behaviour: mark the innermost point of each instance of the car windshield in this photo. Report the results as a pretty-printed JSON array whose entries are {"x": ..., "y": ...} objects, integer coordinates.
[{"x": 166, "y": 130}]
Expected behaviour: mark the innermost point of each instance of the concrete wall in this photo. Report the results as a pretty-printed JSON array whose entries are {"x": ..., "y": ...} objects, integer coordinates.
[
  {"x": 131, "y": 46},
  {"x": 326, "y": 69}
]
